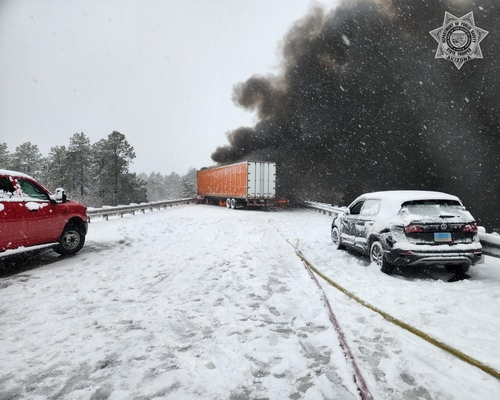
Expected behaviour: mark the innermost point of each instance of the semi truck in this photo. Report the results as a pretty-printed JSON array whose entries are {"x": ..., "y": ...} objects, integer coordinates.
[{"x": 240, "y": 185}]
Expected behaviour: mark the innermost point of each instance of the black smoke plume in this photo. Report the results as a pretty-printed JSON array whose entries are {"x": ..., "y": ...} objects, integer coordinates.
[{"x": 361, "y": 104}]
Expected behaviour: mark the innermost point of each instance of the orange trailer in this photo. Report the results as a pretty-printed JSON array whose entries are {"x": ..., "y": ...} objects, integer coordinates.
[{"x": 248, "y": 183}]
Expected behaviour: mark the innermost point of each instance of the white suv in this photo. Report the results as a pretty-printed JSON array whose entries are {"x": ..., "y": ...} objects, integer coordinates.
[{"x": 410, "y": 228}]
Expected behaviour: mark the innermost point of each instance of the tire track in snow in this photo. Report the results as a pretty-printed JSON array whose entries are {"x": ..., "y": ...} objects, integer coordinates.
[
  {"x": 200, "y": 302},
  {"x": 380, "y": 351},
  {"x": 357, "y": 375}
]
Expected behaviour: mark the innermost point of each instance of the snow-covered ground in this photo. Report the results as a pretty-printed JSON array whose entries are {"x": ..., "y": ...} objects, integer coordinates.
[{"x": 201, "y": 302}]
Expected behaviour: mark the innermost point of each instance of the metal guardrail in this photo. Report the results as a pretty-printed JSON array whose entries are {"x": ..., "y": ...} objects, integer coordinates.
[
  {"x": 131, "y": 209},
  {"x": 324, "y": 208},
  {"x": 490, "y": 242}
]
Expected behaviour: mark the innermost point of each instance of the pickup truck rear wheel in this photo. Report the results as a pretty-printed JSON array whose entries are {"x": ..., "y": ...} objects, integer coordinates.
[{"x": 71, "y": 241}]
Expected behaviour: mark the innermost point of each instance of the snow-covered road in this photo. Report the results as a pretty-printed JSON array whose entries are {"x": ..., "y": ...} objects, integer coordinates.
[{"x": 201, "y": 302}]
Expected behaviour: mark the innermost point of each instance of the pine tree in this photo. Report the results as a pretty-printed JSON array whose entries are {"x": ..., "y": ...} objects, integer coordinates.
[
  {"x": 5, "y": 157},
  {"x": 132, "y": 189},
  {"x": 28, "y": 159},
  {"x": 188, "y": 184},
  {"x": 111, "y": 160},
  {"x": 173, "y": 186},
  {"x": 79, "y": 157},
  {"x": 56, "y": 168},
  {"x": 156, "y": 189}
]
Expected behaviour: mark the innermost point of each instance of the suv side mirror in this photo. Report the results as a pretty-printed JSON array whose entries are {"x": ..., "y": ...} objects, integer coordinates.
[{"x": 59, "y": 196}]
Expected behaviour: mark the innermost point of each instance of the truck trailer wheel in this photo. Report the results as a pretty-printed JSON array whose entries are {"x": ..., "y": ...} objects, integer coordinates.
[
  {"x": 233, "y": 204},
  {"x": 228, "y": 203}
]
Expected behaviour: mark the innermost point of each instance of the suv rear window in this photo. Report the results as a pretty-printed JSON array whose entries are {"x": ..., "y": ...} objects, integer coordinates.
[{"x": 431, "y": 208}]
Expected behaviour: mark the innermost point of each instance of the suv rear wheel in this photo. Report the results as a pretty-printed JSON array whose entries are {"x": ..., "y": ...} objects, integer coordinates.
[
  {"x": 71, "y": 240},
  {"x": 377, "y": 256}
]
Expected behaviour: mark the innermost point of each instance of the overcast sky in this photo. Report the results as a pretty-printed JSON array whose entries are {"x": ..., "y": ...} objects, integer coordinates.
[{"x": 161, "y": 72}]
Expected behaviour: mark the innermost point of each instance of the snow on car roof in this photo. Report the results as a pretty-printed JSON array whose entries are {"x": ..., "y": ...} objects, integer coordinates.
[
  {"x": 391, "y": 200},
  {"x": 408, "y": 195},
  {"x": 14, "y": 173}
]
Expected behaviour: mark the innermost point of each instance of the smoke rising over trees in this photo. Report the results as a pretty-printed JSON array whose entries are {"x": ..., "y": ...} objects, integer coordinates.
[{"x": 361, "y": 104}]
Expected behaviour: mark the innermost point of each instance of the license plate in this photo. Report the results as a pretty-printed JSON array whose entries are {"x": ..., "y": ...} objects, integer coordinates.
[{"x": 442, "y": 237}]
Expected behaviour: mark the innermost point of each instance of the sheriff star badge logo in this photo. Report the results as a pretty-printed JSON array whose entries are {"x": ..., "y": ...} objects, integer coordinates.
[{"x": 458, "y": 39}]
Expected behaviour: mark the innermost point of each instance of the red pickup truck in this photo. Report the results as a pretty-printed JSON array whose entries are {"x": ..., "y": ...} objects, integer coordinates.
[{"x": 30, "y": 215}]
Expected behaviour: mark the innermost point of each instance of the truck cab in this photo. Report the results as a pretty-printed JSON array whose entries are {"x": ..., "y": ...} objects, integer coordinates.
[{"x": 30, "y": 215}]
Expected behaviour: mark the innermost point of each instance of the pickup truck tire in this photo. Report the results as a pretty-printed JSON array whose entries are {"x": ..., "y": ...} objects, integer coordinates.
[{"x": 71, "y": 240}]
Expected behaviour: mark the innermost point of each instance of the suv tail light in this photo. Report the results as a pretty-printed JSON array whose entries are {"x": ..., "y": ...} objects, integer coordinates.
[
  {"x": 413, "y": 228},
  {"x": 470, "y": 228}
]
